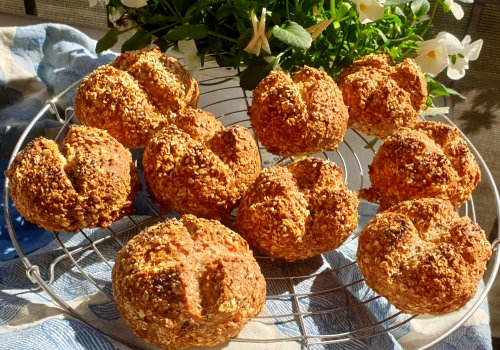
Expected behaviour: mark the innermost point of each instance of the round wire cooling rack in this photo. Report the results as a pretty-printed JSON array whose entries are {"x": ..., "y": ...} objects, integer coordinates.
[{"x": 314, "y": 304}]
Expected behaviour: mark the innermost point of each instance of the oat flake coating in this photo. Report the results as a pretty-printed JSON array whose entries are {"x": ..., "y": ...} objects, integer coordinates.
[
  {"x": 90, "y": 182},
  {"x": 138, "y": 93},
  {"x": 298, "y": 211},
  {"x": 199, "y": 167},
  {"x": 381, "y": 96},
  {"x": 430, "y": 160},
  {"x": 423, "y": 257},
  {"x": 189, "y": 282},
  {"x": 303, "y": 115}
]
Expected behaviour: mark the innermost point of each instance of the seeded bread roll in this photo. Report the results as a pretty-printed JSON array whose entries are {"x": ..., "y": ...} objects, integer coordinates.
[
  {"x": 382, "y": 96},
  {"x": 298, "y": 211},
  {"x": 90, "y": 182},
  {"x": 300, "y": 115},
  {"x": 199, "y": 167},
  {"x": 189, "y": 282},
  {"x": 430, "y": 160},
  {"x": 423, "y": 257},
  {"x": 138, "y": 93}
]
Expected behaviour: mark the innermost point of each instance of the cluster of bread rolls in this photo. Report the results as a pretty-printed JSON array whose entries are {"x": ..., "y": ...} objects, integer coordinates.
[{"x": 194, "y": 281}]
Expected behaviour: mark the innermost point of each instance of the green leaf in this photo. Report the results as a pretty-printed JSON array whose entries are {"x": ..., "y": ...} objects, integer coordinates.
[
  {"x": 188, "y": 31},
  {"x": 107, "y": 41},
  {"x": 255, "y": 72},
  {"x": 371, "y": 144},
  {"x": 420, "y": 7},
  {"x": 293, "y": 34},
  {"x": 139, "y": 40},
  {"x": 396, "y": 2},
  {"x": 342, "y": 10}
]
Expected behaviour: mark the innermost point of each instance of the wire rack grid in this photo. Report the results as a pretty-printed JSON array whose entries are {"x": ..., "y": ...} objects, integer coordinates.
[{"x": 313, "y": 305}]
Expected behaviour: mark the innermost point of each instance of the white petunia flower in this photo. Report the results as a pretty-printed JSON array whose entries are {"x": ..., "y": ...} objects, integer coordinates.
[
  {"x": 134, "y": 3},
  {"x": 318, "y": 28},
  {"x": 369, "y": 10},
  {"x": 433, "y": 55},
  {"x": 435, "y": 111},
  {"x": 456, "y": 9},
  {"x": 190, "y": 56},
  {"x": 259, "y": 39},
  {"x": 461, "y": 57}
]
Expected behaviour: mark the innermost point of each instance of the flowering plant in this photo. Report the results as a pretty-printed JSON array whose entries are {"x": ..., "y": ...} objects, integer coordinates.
[{"x": 256, "y": 36}]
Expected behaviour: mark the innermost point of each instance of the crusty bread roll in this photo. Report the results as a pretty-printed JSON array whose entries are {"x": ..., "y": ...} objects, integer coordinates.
[
  {"x": 298, "y": 211},
  {"x": 90, "y": 182},
  {"x": 430, "y": 160},
  {"x": 423, "y": 257},
  {"x": 300, "y": 115},
  {"x": 138, "y": 93},
  {"x": 199, "y": 167},
  {"x": 189, "y": 282},
  {"x": 382, "y": 96}
]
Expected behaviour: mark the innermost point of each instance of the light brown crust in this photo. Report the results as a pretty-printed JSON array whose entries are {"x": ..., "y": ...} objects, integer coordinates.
[
  {"x": 90, "y": 182},
  {"x": 381, "y": 96},
  {"x": 138, "y": 93},
  {"x": 430, "y": 160},
  {"x": 200, "y": 167},
  {"x": 298, "y": 211},
  {"x": 423, "y": 257},
  {"x": 303, "y": 115},
  {"x": 189, "y": 282}
]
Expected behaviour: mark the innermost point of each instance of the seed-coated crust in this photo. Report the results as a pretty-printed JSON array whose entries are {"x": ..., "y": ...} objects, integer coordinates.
[
  {"x": 298, "y": 211},
  {"x": 90, "y": 182},
  {"x": 381, "y": 96},
  {"x": 138, "y": 93},
  {"x": 303, "y": 115},
  {"x": 430, "y": 160},
  {"x": 200, "y": 167},
  {"x": 423, "y": 257},
  {"x": 189, "y": 282}
]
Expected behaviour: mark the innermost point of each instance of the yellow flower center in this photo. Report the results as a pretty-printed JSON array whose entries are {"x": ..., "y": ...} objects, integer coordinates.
[
  {"x": 362, "y": 7},
  {"x": 431, "y": 54}
]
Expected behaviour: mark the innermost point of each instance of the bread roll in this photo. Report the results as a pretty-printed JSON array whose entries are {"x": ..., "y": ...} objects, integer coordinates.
[
  {"x": 382, "y": 96},
  {"x": 188, "y": 282},
  {"x": 423, "y": 257},
  {"x": 300, "y": 115},
  {"x": 90, "y": 181},
  {"x": 430, "y": 160},
  {"x": 297, "y": 211},
  {"x": 138, "y": 93},
  {"x": 200, "y": 167}
]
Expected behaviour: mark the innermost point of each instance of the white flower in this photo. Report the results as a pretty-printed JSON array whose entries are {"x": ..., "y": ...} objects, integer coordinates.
[
  {"x": 436, "y": 111},
  {"x": 100, "y": 2},
  {"x": 134, "y": 3},
  {"x": 433, "y": 55},
  {"x": 190, "y": 56},
  {"x": 369, "y": 10},
  {"x": 461, "y": 57},
  {"x": 259, "y": 39},
  {"x": 456, "y": 9},
  {"x": 318, "y": 28}
]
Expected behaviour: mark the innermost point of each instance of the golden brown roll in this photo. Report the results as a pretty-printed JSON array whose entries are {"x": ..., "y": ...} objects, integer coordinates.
[
  {"x": 90, "y": 181},
  {"x": 382, "y": 96},
  {"x": 189, "y": 282},
  {"x": 200, "y": 167},
  {"x": 298, "y": 211},
  {"x": 423, "y": 257},
  {"x": 135, "y": 95},
  {"x": 430, "y": 160},
  {"x": 300, "y": 115}
]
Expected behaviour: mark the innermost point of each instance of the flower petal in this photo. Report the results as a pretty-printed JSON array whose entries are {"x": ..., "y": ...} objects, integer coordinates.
[
  {"x": 436, "y": 110},
  {"x": 456, "y": 70},
  {"x": 457, "y": 11},
  {"x": 433, "y": 58},
  {"x": 134, "y": 3},
  {"x": 472, "y": 51}
]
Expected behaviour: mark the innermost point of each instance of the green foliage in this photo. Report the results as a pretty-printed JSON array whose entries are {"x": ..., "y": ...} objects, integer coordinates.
[{"x": 223, "y": 28}]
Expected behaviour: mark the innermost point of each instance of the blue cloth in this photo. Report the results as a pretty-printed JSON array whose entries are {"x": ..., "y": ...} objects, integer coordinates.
[{"x": 38, "y": 62}]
